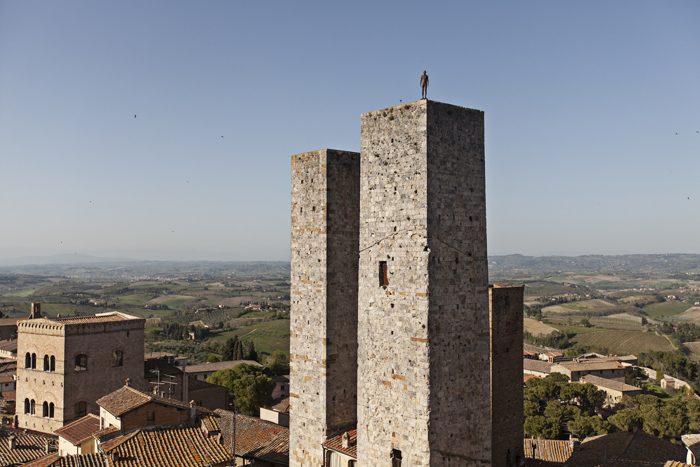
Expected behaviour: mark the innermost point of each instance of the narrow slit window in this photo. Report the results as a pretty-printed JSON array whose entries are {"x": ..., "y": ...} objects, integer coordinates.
[{"x": 383, "y": 274}]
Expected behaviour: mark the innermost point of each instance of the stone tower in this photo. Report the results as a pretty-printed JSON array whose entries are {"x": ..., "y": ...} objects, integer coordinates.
[
  {"x": 323, "y": 347},
  {"x": 506, "y": 317},
  {"x": 423, "y": 331}
]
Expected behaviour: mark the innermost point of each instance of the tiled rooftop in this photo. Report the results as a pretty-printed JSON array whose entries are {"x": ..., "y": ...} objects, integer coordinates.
[
  {"x": 625, "y": 448},
  {"x": 28, "y": 446},
  {"x": 211, "y": 423},
  {"x": 207, "y": 367},
  {"x": 280, "y": 405},
  {"x": 126, "y": 399},
  {"x": 676, "y": 464},
  {"x": 255, "y": 438},
  {"x": 536, "y": 365},
  {"x": 336, "y": 443},
  {"x": 692, "y": 442},
  {"x": 83, "y": 460},
  {"x": 591, "y": 366},
  {"x": 9, "y": 345},
  {"x": 182, "y": 447},
  {"x": 150, "y": 355},
  {"x": 608, "y": 383},
  {"x": 552, "y": 450},
  {"x": 80, "y": 430}
]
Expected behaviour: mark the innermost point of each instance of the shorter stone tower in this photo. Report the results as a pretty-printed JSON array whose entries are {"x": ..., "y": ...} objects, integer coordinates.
[
  {"x": 323, "y": 344},
  {"x": 506, "y": 319}
]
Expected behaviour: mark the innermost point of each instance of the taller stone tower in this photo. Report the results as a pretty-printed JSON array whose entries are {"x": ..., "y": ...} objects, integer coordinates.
[
  {"x": 323, "y": 345},
  {"x": 423, "y": 332}
]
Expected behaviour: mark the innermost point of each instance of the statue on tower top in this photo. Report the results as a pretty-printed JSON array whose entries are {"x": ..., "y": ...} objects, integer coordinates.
[{"x": 424, "y": 85}]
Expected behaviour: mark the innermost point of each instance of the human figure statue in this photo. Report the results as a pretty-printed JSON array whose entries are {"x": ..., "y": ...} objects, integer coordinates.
[{"x": 424, "y": 85}]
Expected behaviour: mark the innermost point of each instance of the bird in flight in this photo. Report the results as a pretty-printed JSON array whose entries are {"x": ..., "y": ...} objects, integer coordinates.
[
  {"x": 222, "y": 136},
  {"x": 134, "y": 116}
]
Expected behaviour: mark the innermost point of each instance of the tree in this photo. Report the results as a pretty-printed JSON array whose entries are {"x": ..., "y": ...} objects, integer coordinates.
[
  {"x": 250, "y": 387},
  {"x": 251, "y": 353},
  {"x": 542, "y": 427},
  {"x": 659, "y": 375},
  {"x": 233, "y": 350},
  {"x": 644, "y": 321},
  {"x": 213, "y": 358},
  {"x": 585, "y": 322},
  {"x": 625, "y": 419},
  {"x": 584, "y": 426},
  {"x": 278, "y": 363},
  {"x": 530, "y": 409}
]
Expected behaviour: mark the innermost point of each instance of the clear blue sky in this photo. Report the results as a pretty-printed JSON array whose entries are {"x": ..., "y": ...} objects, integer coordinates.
[{"x": 583, "y": 101}]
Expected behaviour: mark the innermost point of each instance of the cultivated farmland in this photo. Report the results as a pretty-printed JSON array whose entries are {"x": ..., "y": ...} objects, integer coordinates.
[{"x": 624, "y": 342}]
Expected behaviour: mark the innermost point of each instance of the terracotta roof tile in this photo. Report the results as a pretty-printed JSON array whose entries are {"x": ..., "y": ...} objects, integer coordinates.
[
  {"x": 608, "y": 383},
  {"x": 625, "y": 449},
  {"x": 211, "y": 423},
  {"x": 198, "y": 384},
  {"x": 536, "y": 365},
  {"x": 28, "y": 446},
  {"x": 591, "y": 366},
  {"x": 81, "y": 430},
  {"x": 255, "y": 438},
  {"x": 126, "y": 399},
  {"x": 280, "y": 405},
  {"x": 82, "y": 460},
  {"x": 182, "y": 447},
  {"x": 336, "y": 443},
  {"x": 552, "y": 450}
]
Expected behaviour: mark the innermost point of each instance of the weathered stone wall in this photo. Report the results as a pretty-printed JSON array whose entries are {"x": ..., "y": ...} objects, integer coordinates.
[
  {"x": 65, "y": 386},
  {"x": 423, "y": 352},
  {"x": 323, "y": 347},
  {"x": 506, "y": 317}
]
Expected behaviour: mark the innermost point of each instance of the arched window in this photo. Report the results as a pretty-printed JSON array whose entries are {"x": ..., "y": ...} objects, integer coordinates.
[
  {"x": 52, "y": 366},
  {"x": 80, "y": 409},
  {"x": 45, "y": 409},
  {"x": 32, "y": 407},
  {"x": 51, "y": 407},
  {"x": 33, "y": 361},
  {"x": 28, "y": 360},
  {"x": 26, "y": 405},
  {"x": 81, "y": 362},
  {"x": 117, "y": 358},
  {"x": 46, "y": 363}
]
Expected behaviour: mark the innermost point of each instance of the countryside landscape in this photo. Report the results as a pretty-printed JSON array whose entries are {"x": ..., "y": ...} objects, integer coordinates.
[{"x": 608, "y": 304}]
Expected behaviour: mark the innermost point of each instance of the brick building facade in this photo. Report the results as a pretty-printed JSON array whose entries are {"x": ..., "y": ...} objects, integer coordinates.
[{"x": 66, "y": 364}]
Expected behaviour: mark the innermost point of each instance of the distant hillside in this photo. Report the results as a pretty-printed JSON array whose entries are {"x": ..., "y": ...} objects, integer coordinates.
[
  {"x": 669, "y": 264},
  {"x": 126, "y": 269}
]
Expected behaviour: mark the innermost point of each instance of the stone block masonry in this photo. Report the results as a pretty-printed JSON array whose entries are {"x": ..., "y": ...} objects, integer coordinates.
[
  {"x": 423, "y": 304},
  {"x": 323, "y": 344},
  {"x": 507, "y": 419}
]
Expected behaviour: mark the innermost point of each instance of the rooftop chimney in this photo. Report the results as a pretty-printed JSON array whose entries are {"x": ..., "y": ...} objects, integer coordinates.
[
  {"x": 36, "y": 310},
  {"x": 193, "y": 412},
  {"x": 346, "y": 440},
  {"x": 11, "y": 441},
  {"x": 127, "y": 382}
]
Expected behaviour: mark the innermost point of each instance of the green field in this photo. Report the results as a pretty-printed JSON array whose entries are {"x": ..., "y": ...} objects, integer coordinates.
[
  {"x": 24, "y": 293},
  {"x": 623, "y": 342},
  {"x": 176, "y": 303},
  {"x": 667, "y": 308},
  {"x": 268, "y": 336},
  {"x": 134, "y": 299},
  {"x": 573, "y": 329}
]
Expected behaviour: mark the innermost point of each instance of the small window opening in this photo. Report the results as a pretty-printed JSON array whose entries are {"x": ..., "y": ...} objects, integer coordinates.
[
  {"x": 395, "y": 458},
  {"x": 313, "y": 208},
  {"x": 45, "y": 409},
  {"x": 47, "y": 365},
  {"x": 81, "y": 362},
  {"x": 51, "y": 410},
  {"x": 52, "y": 363},
  {"x": 32, "y": 407},
  {"x": 151, "y": 417},
  {"x": 383, "y": 274},
  {"x": 33, "y": 361},
  {"x": 117, "y": 358}
]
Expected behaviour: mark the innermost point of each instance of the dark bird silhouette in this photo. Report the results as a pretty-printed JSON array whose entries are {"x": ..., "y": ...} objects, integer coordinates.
[
  {"x": 134, "y": 116},
  {"x": 222, "y": 136},
  {"x": 676, "y": 133}
]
